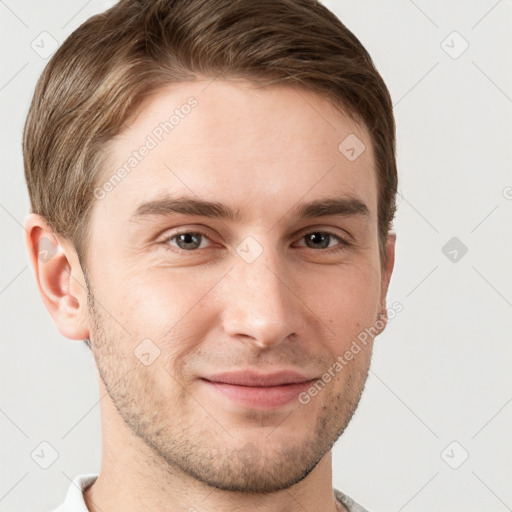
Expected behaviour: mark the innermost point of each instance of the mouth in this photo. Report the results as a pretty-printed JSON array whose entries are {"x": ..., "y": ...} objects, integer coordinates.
[{"x": 257, "y": 390}]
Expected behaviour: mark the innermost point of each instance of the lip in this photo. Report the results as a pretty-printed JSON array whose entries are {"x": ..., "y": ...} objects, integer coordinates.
[
  {"x": 258, "y": 390},
  {"x": 257, "y": 379}
]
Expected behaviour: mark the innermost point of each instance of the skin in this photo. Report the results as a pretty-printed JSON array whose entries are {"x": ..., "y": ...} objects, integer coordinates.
[{"x": 169, "y": 442}]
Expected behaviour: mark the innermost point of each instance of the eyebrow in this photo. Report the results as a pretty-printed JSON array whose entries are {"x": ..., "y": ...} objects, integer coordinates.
[{"x": 345, "y": 206}]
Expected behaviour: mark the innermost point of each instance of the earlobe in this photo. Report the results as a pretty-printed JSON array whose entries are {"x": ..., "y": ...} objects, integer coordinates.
[{"x": 59, "y": 278}]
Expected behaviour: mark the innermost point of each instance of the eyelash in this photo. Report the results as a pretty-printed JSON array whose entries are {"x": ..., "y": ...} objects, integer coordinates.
[{"x": 343, "y": 243}]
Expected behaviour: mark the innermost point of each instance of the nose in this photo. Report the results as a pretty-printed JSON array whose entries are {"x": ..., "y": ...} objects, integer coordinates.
[{"x": 262, "y": 304}]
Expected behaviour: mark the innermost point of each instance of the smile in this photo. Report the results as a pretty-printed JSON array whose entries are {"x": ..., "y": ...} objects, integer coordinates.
[{"x": 263, "y": 391}]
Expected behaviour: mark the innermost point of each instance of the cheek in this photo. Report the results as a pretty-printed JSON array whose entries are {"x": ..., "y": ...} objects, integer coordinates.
[
  {"x": 164, "y": 305},
  {"x": 346, "y": 300}
]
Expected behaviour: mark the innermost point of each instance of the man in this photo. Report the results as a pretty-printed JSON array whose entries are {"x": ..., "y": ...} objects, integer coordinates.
[{"x": 212, "y": 186}]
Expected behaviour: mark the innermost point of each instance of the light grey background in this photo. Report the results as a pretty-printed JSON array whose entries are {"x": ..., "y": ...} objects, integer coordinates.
[{"x": 440, "y": 372}]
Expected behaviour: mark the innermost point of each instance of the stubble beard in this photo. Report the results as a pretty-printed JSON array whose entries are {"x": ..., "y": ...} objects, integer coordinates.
[{"x": 186, "y": 448}]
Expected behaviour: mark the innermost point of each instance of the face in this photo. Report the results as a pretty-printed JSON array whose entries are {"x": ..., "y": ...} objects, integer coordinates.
[{"x": 210, "y": 332}]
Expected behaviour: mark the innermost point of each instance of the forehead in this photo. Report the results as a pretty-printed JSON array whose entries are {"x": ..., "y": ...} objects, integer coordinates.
[{"x": 259, "y": 150}]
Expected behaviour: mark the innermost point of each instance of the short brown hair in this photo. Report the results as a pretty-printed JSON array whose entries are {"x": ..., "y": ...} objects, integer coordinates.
[{"x": 100, "y": 75}]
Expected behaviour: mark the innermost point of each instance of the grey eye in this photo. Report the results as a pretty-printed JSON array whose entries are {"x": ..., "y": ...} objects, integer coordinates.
[{"x": 188, "y": 241}]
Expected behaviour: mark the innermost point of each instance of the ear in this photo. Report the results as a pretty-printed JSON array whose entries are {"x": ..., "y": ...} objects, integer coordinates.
[
  {"x": 59, "y": 278},
  {"x": 387, "y": 270}
]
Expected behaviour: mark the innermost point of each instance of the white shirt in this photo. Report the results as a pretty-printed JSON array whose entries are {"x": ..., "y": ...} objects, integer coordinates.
[{"x": 74, "y": 501}]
